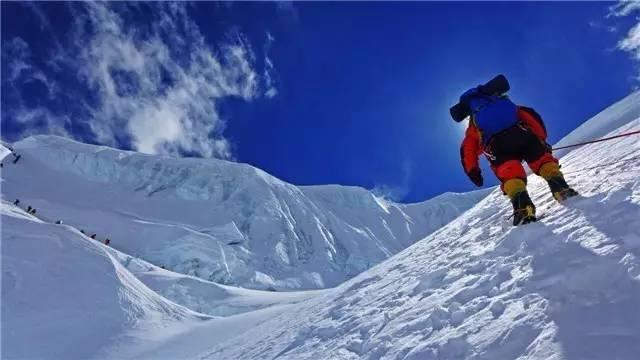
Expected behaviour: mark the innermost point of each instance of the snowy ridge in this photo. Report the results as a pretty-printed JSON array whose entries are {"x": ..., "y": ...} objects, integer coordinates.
[
  {"x": 217, "y": 220},
  {"x": 90, "y": 300},
  {"x": 57, "y": 285},
  {"x": 205, "y": 296},
  {"x": 567, "y": 287},
  {"x": 606, "y": 121}
]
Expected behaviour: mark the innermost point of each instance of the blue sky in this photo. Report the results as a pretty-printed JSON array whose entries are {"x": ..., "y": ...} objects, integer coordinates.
[{"x": 313, "y": 93}]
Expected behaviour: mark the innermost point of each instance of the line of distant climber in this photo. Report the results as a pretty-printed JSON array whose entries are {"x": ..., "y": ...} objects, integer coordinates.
[
  {"x": 93, "y": 236},
  {"x": 31, "y": 210},
  {"x": 16, "y": 157}
]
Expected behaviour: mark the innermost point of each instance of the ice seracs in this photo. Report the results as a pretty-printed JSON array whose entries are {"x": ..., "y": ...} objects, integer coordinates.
[
  {"x": 566, "y": 287},
  {"x": 217, "y": 220}
]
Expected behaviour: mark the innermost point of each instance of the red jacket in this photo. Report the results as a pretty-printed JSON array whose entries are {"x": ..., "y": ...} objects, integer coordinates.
[{"x": 472, "y": 147}]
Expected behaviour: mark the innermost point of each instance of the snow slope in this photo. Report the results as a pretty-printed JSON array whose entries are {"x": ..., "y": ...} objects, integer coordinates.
[
  {"x": 205, "y": 296},
  {"x": 220, "y": 221},
  {"x": 70, "y": 295},
  {"x": 86, "y": 300},
  {"x": 608, "y": 120},
  {"x": 567, "y": 287},
  {"x": 4, "y": 152}
]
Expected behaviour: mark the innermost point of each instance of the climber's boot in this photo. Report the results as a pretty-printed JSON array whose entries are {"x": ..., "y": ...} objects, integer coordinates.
[
  {"x": 524, "y": 211},
  {"x": 560, "y": 190}
]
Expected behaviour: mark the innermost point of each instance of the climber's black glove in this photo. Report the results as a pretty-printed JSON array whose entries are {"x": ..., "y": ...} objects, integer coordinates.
[{"x": 476, "y": 176}]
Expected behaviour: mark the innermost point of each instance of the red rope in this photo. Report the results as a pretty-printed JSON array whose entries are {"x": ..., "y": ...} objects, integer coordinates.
[{"x": 599, "y": 140}]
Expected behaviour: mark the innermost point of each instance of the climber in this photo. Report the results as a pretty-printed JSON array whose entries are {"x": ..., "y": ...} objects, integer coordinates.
[
  {"x": 93, "y": 236},
  {"x": 107, "y": 241},
  {"x": 16, "y": 202},
  {"x": 508, "y": 134},
  {"x": 29, "y": 209}
]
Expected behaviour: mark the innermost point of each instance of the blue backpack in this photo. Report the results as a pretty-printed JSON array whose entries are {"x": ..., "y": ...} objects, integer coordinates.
[{"x": 491, "y": 113}]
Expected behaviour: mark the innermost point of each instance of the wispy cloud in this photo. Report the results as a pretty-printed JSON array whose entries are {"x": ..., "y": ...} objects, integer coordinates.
[
  {"x": 631, "y": 42},
  {"x": 269, "y": 69},
  {"x": 158, "y": 85},
  {"x": 45, "y": 24},
  {"x": 398, "y": 191},
  {"x": 31, "y": 118},
  {"x": 624, "y": 8},
  {"x": 40, "y": 120},
  {"x": 288, "y": 12},
  {"x": 17, "y": 53}
]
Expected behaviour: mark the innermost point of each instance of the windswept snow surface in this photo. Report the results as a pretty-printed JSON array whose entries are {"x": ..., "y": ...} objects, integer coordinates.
[
  {"x": 220, "y": 221},
  {"x": 205, "y": 296},
  {"x": 567, "y": 287},
  {"x": 65, "y": 296}
]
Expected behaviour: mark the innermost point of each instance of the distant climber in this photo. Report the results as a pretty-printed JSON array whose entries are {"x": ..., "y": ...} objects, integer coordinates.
[
  {"x": 93, "y": 236},
  {"x": 17, "y": 202},
  {"x": 33, "y": 211},
  {"x": 59, "y": 222},
  {"x": 29, "y": 209},
  {"x": 507, "y": 134},
  {"x": 107, "y": 241}
]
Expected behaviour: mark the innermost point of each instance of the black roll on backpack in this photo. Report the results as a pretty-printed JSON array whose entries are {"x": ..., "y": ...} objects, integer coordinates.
[{"x": 496, "y": 86}]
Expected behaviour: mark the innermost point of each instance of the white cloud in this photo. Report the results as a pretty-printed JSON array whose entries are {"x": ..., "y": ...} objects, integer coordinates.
[
  {"x": 399, "y": 191},
  {"x": 288, "y": 11},
  {"x": 269, "y": 68},
  {"x": 40, "y": 120},
  {"x": 18, "y": 54},
  {"x": 160, "y": 86},
  {"x": 35, "y": 119},
  {"x": 631, "y": 42},
  {"x": 45, "y": 24},
  {"x": 624, "y": 8},
  {"x": 163, "y": 115}
]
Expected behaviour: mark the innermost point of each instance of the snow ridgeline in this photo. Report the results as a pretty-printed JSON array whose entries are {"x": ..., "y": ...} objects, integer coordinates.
[
  {"x": 81, "y": 299},
  {"x": 220, "y": 221},
  {"x": 567, "y": 287},
  {"x": 61, "y": 291}
]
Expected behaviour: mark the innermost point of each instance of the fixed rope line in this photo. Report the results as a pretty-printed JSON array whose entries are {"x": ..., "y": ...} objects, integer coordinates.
[{"x": 599, "y": 140}]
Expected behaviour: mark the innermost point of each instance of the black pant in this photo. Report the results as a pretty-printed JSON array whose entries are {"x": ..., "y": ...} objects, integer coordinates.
[{"x": 515, "y": 143}]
